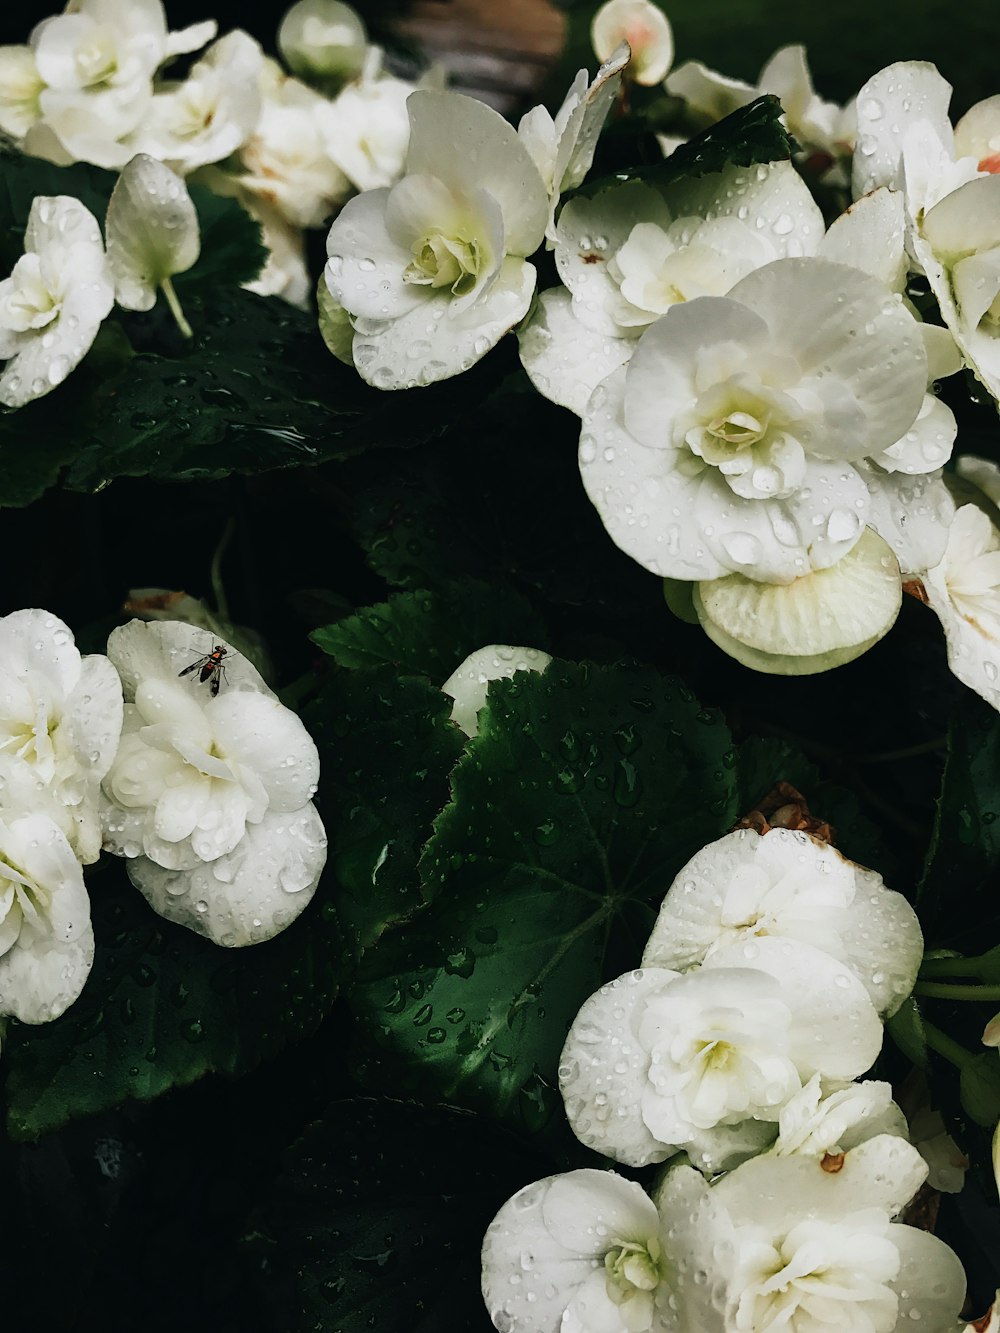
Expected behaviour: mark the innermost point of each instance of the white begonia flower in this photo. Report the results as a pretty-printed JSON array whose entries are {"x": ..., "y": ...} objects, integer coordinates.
[
  {"x": 285, "y": 162},
  {"x": 657, "y": 1061},
  {"x": 815, "y": 124},
  {"x": 46, "y": 939},
  {"x": 320, "y": 39},
  {"x": 21, "y": 86},
  {"x": 577, "y": 1253},
  {"x": 211, "y": 113},
  {"x": 61, "y": 717},
  {"x": 630, "y": 253},
  {"x": 433, "y": 271},
  {"x": 727, "y": 444},
  {"x": 209, "y": 796},
  {"x": 563, "y": 148},
  {"x": 153, "y": 233},
  {"x": 97, "y": 62},
  {"x": 645, "y": 28},
  {"x": 811, "y": 1248},
  {"x": 820, "y": 1122},
  {"x": 468, "y": 683},
  {"x": 55, "y": 300},
  {"x": 784, "y": 884},
  {"x": 366, "y": 128}
]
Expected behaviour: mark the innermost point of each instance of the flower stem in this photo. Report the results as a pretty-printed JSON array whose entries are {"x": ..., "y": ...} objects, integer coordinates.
[
  {"x": 932, "y": 968},
  {"x": 218, "y": 589},
  {"x": 942, "y": 990},
  {"x": 952, "y": 1050},
  {"x": 175, "y": 308},
  {"x": 910, "y": 752}
]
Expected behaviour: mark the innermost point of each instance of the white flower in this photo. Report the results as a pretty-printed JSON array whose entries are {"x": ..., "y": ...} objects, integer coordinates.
[
  {"x": 20, "y": 89},
  {"x": 209, "y": 795},
  {"x": 469, "y": 682},
  {"x": 152, "y": 230},
  {"x": 61, "y": 715},
  {"x": 285, "y": 162},
  {"x": 816, "y": 1248},
  {"x": 210, "y": 114},
  {"x": 433, "y": 272},
  {"x": 946, "y": 1163},
  {"x": 815, "y": 124},
  {"x": 97, "y": 63},
  {"x": 580, "y": 1252},
  {"x": 630, "y": 253},
  {"x": 323, "y": 38},
  {"x": 563, "y": 148},
  {"x": 728, "y": 443},
  {"x": 828, "y": 1122},
  {"x": 964, "y": 592},
  {"x": 786, "y": 885},
  {"x": 644, "y": 27},
  {"x": 54, "y": 301},
  {"x": 657, "y": 1061},
  {"x": 366, "y": 128},
  {"x": 46, "y": 939}
]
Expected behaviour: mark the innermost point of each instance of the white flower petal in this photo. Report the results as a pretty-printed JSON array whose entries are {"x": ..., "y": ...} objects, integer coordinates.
[
  {"x": 911, "y": 513},
  {"x": 893, "y": 99},
  {"x": 152, "y": 231},
  {"x": 434, "y": 341},
  {"x": 365, "y": 271},
  {"x": 871, "y": 236},
  {"x": 930, "y": 1282},
  {"x": 565, "y": 359},
  {"x": 603, "y": 1070},
  {"x": 451, "y": 134},
  {"x": 268, "y": 738},
  {"x": 165, "y": 649},
  {"x": 771, "y": 198},
  {"x": 646, "y": 29}
]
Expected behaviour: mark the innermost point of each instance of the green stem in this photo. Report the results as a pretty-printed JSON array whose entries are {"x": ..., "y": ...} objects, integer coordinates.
[
  {"x": 218, "y": 589},
  {"x": 932, "y": 968},
  {"x": 175, "y": 308},
  {"x": 952, "y": 1050},
  {"x": 911, "y": 751},
  {"x": 941, "y": 990}
]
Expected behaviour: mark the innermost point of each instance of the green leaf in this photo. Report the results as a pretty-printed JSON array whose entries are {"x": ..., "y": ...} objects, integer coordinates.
[
  {"x": 964, "y": 852},
  {"x": 750, "y": 135},
  {"x": 386, "y": 748},
  {"x": 584, "y": 793},
  {"x": 431, "y": 633},
  {"x": 979, "y": 1087},
  {"x": 162, "y": 1007},
  {"x": 378, "y": 1218}
]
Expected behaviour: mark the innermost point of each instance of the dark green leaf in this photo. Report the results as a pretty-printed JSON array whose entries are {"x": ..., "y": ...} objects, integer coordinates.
[
  {"x": 431, "y": 633},
  {"x": 379, "y": 1215},
  {"x": 386, "y": 748},
  {"x": 162, "y": 1007},
  {"x": 584, "y": 793},
  {"x": 752, "y": 134},
  {"x": 964, "y": 853}
]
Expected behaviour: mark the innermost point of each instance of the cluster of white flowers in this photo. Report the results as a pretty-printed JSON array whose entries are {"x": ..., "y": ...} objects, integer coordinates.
[
  {"x": 64, "y": 285},
  {"x": 207, "y": 790},
  {"x": 738, "y": 1042},
  {"x": 92, "y": 85}
]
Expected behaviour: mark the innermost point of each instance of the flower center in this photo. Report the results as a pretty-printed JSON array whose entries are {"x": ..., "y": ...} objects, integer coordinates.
[
  {"x": 22, "y": 901},
  {"x": 444, "y": 261},
  {"x": 96, "y": 58},
  {"x": 28, "y": 302},
  {"x": 631, "y": 1268}
]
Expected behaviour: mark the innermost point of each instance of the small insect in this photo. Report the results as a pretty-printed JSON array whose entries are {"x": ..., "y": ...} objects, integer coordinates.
[{"x": 210, "y": 667}]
